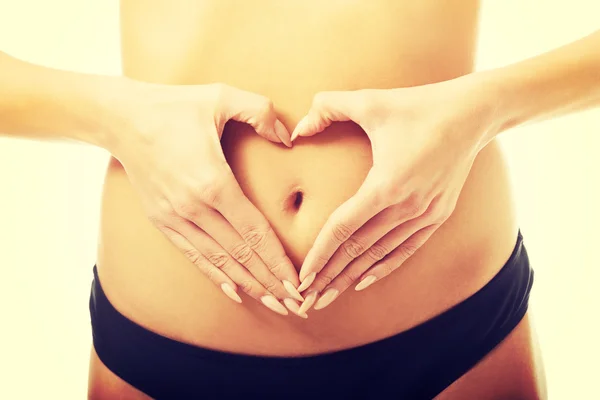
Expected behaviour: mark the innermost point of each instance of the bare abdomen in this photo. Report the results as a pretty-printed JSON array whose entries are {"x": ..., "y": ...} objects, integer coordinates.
[{"x": 343, "y": 49}]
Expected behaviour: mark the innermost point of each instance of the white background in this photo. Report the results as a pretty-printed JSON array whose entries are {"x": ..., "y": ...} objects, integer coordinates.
[{"x": 50, "y": 193}]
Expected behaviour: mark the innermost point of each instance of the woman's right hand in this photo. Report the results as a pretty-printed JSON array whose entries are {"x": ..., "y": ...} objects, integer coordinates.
[{"x": 172, "y": 154}]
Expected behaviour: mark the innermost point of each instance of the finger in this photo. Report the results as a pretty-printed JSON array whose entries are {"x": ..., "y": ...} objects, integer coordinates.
[
  {"x": 327, "y": 107},
  {"x": 215, "y": 275},
  {"x": 342, "y": 223},
  {"x": 205, "y": 246},
  {"x": 213, "y": 223},
  {"x": 336, "y": 279},
  {"x": 375, "y": 239},
  {"x": 338, "y": 228},
  {"x": 323, "y": 283},
  {"x": 352, "y": 273},
  {"x": 397, "y": 257},
  {"x": 365, "y": 243},
  {"x": 255, "y": 230},
  {"x": 256, "y": 110}
]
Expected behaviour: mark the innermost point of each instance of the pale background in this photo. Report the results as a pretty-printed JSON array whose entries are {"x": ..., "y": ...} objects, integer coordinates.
[{"x": 50, "y": 193}]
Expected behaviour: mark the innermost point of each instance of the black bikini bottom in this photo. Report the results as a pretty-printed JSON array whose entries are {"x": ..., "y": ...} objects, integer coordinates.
[{"x": 418, "y": 363}]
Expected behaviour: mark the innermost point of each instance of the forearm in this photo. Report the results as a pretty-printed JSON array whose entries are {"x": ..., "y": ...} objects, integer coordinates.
[
  {"x": 45, "y": 103},
  {"x": 558, "y": 82}
]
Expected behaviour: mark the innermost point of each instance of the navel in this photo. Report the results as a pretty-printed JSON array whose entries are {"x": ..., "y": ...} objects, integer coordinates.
[{"x": 294, "y": 200}]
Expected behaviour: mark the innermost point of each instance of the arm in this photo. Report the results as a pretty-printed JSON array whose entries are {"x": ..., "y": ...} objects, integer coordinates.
[
  {"x": 144, "y": 125},
  {"x": 555, "y": 83},
  {"x": 425, "y": 140},
  {"x": 44, "y": 103}
]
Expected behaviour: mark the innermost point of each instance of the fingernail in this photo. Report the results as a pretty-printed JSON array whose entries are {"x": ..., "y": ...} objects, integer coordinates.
[
  {"x": 228, "y": 290},
  {"x": 365, "y": 283},
  {"x": 298, "y": 128},
  {"x": 294, "y": 307},
  {"x": 310, "y": 300},
  {"x": 282, "y": 133},
  {"x": 271, "y": 302},
  {"x": 291, "y": 289},
  {"x": 310, "y": 278},
  {"x": 304, "y": 268},
  {"x": 326, "y": 298}
]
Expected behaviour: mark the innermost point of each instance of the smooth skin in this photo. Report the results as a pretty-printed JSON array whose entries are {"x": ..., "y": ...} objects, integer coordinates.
[{"x": 424, "y": 142}]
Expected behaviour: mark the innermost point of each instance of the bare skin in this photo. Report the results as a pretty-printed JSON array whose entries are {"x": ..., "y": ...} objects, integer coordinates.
[
  {"x": 134, "y": 260},
  {"x": 335, "y": 51}
]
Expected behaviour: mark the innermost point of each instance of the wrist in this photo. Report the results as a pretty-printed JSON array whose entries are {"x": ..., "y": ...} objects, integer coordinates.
[
  {"x": 483, "y": 113},
  {"x": 104, "y": 111},
  {"x": 551, "y": 84},
  {"x": 494, "y": 87},
  {"x": 47, "y": 103}
]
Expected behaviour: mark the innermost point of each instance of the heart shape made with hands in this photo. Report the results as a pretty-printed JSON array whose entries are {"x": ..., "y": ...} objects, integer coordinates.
[{"x": 408, "y": 185}]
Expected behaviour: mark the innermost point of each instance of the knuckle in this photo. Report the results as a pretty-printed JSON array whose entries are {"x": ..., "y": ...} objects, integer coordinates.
[
  {"x": 347, "y": 278},
  {"x": 212, "y": 183},
  {"x": 219, "y": 260},
  {"x": 187, "y": 209},
  {"x": 247, "y": 286},
  {"x": 341, "y": 232},
  {"x": 212, "y": 192},
  {"x": 387, "y": 268},
  {"x": 324, "y": 280},
  {"x": 412, "y": 248},
  {"x": 399, "y": 214},
  {"x": 385, "y": 194},
  {"x": 392, "y": 190},
  {"x": 255, "y": 236},
  {"x": 193, "y": 255},
  {"x": 406, "y": 250},
  {"x": 431, "y": 212},
  {"x": 211, "y": 274},
  {"x": 377, "y": 251},
  {"x": 352, "y": 248},
  {"x": 381, "y": 199},
  {"x": 277, "y": 268},
  {"x": 271, "y": 286},
  {"x": 242, "y": 253},
  {"x": 321, "y": 259},
  {"x": 413, "y": 205}
]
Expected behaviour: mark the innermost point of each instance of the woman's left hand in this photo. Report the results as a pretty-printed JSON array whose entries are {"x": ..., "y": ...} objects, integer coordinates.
[{"x": 424, "y": 140}]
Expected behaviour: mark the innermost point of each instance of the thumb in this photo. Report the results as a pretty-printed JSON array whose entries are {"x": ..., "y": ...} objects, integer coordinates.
[
  {"x": 326, "y": 108},
  {"x": 257, "y": 111}
]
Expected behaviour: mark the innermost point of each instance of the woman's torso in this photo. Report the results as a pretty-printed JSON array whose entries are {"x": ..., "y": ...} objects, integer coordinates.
[{"x": 288, "y": 51}]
